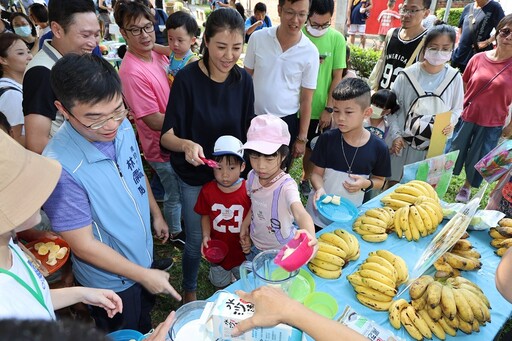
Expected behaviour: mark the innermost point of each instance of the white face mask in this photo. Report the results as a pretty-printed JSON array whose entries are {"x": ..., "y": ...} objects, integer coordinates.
[
  {"x": 316, "y": 32},
  {"x": 377, "y": 112},
  {"x": 437, "y": 58}
]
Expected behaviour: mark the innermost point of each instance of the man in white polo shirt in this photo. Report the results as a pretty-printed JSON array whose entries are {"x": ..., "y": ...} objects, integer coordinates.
[{"x": 284, "y": 65}]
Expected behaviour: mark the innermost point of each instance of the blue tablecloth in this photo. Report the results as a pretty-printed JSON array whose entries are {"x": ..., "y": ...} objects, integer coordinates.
[{"x": 410, "y": 252}]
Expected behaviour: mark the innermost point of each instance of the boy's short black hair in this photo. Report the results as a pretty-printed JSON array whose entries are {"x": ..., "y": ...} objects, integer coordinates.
[
  {"x": 39, "y": 11},
  {"x": 230, "y": 159},
  {"x": 321, "y": 7},
  {"x": 181, "y": 18},
  {"x": 84, "y": 79},
  {"x": 282, "y": 2},
  {"x": 63, "y": 11},
  {"x": 353, "y": 88},
  {"x": 260, "y": 7}
]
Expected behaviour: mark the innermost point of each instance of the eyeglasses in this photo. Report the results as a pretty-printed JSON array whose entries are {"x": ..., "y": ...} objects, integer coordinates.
[
  {"x": 504, "y": 32},
  {"x": 292, "y": 14},
  {"x": 405, "y": 11},
  {"x": 136, "y": 31},
  {"x": 320, "y": 27},
  {"x": 116, "y": 116}
]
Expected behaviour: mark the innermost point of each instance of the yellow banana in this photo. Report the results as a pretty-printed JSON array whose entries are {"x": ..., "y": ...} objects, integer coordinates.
[
  {"x": 374, "y": 221},
  {"x": 464, "y": 326},
  {"x": 378, "y": 214},
  {"x": 505, "y": 222},
  {"x": 356, "y": 256},
  {"x": 418, "y": 222},
  {"x": 458, "y": 262},
  {"x": 361, "y": 232},
  {"x": 373, "y": 304},
  {"x": 403, "y": 197},
  {"x": 493, "y": 232},
  {"x": 355, "y": 279},
  {"x": 327, "y": 274},
  {"x": 428, "y": 187},
  {"x": 324, "y": 265},
  {"x": 437, "y": 209},
  {"x": 372, "y": 293},
  {"x": 415, "y": 232},
  {"x": 474, "y": 254},
  {"x": 395, "y": 310},
  {"x": 409, "y": 326},
  {"x": 397, "y": 262},
  {"x": 442, "y": 266},
  {"x": 373, "y": 229},
  {"x": 333, "y": 239},
  {"x": 350, "y": 239},
  {"x": 330, "y": 258},
  {"x": 396, "y": 223},
  {"x": 334, "y": 250},
  {"x": 457, "y": 281},
  {"x": 410, "y": 190},
  {"x": 380, "y": 269},
  {"x": 375, "y": 238},
  {"x": 463, "y": 308},
  {"x": 435, "y": 313},
  {"x": 383, "y": 288},
  {"x": 419, "y": 303},
  {"x": 357, "y": 223},
  {"x": 501, "y": 251},
  {"x": 425, "y": 218},
  {"x": 480, "y": 310},
  {"x": 389, "y": 213},
  {"x": 447, "y": 329},
  {"x": 476, "y": 326},
  {"x": 384, "y": 263},
  {"x": 448, "y": 302},
  {"x": 433, "y": 216},
  {"x": 434, "y": 294},
  {"x": 365, "y": 273},
  {"x": 405, "y": 224},
  {"x": 477, "y": 292},
  {"x": 505, "y": 231},
  {"x": 418, "y": 322},
  {"x": 394, "y": 203},
  {"x": 454, "y": 323},
  {"x": 435, "y": 327},
  {"x": 498, "y": 243},
  {"x": 462, "y": 245}
]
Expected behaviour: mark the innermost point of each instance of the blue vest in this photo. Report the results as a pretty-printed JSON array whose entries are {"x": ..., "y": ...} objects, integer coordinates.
[{"x": 118, "y": 199}]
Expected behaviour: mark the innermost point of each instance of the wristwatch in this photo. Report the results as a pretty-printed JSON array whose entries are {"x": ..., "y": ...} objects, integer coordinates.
[
  {"x": 367, "y": 189},
  {"x": 329, "y": 110}
]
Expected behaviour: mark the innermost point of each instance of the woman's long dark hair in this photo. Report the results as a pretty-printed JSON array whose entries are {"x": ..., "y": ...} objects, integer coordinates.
[{"x": 219, "y": 20}]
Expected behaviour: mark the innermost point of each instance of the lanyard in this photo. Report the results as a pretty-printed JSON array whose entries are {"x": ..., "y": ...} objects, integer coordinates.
[{"x": 38, "y": 295}]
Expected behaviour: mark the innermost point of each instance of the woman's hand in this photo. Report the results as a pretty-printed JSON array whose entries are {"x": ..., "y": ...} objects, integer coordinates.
[
  {"x": 397, "y": 146},
  {"x": 318, "y": 194},
  {"x": 193, "y": 153}
]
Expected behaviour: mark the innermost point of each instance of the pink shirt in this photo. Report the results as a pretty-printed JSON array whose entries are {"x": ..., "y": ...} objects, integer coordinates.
[
  {"x": 490, "y": 107},
  {"x": 146, "y": 90}
]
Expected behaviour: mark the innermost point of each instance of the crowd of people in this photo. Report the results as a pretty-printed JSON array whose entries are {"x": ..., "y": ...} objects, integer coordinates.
[{"x": 294, "y": 98}]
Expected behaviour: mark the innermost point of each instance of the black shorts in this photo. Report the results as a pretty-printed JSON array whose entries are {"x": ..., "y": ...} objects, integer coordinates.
[{"x": 313, "y": 131}]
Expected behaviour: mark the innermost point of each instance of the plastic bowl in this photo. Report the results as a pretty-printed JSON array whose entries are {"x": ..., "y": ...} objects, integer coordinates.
[
  {"x": 187, "y": 318},
  {"x": 216, "y": 251},
  {"x": 125, "y": 335},
  {"x": 299, "y": 257},
  {"x": 322, "y": 303}
]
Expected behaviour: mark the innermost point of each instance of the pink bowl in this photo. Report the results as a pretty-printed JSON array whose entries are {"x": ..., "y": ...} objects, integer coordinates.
[
  {"x": 216, "y": 251},
  {"x": 299, "y": 257}
]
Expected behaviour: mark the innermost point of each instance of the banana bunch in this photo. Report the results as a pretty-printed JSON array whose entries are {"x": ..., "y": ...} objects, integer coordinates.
[
  {"x": 335, "y": 250},
  {"x": 376, "y": 280},
  {"x": 407, "y": 194},
  {"x": 418, "y": 219},
  {"x": 455, "y": 304},
  {"x": 502, "y": 236},
  {"x": 462, "y": 256},
  {"x": 375, "y": 224}
]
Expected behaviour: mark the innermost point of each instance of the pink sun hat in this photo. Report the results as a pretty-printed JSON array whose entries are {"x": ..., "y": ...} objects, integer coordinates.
[{"x": 267, "y": 134}]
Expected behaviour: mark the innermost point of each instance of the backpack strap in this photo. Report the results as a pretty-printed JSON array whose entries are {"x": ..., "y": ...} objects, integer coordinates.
[
  {"x": 448, "y": 79},
  {"x": 414, "y": 82},
  {"x": 274, "y": 218},
  {"x": 416, "y": 52},
  {"x": 7, "y": 88}
]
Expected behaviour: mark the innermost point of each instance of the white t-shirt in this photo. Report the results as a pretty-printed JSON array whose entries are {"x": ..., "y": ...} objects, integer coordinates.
[
  {"x": 278, "y": 76},
  {"x": 10, "y": 102},
  {"x": 263, "y": 227},
  {"x": 15, "y": 300}
]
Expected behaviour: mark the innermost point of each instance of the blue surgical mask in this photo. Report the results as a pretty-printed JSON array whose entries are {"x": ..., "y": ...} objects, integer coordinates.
[{"x": 23, "y": 31}]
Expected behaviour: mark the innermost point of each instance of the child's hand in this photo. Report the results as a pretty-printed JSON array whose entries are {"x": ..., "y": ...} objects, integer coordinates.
[
  {"x": 356, "y": 184},
  {"x": 318, "y": 194},
  {"x": 313, "y": 242},
  {"x": 206, "y": 239},
  {"x": 448, "y": 129},
  {"x": 397, "y": 145},
  {"x": 245, "y": 242}
]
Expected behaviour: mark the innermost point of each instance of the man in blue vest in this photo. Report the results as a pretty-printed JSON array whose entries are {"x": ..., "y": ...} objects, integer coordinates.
[{"x": 102, "y": 203}]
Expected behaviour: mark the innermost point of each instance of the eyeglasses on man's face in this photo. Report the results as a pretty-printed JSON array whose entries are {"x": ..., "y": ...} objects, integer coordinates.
[
  {"x": 318, "y": 26},
  {"x": 405, "y": 11},
  {"x": 289, "y": 14},
  {"x": 137, "y": 31},
  {"x": 115, "y": 116}
]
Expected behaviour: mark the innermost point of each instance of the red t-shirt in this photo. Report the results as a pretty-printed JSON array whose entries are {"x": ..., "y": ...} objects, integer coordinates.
[
  {"x": 227, "y": 212},
  {"x": 490, "y": 107}
]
